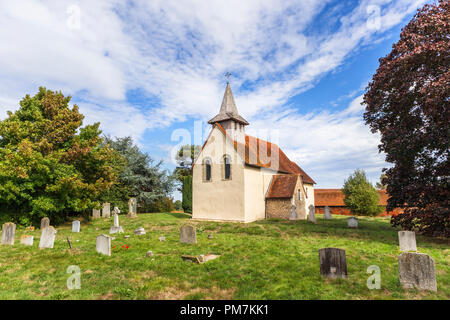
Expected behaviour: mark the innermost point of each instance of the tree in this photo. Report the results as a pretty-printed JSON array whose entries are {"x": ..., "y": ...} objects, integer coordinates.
[
  {"x": 49, "y": 164},
  {"x": 187, "y": 194},
  {"x": 178, "y": 205},
  {"x": 360, "y": 196},
  {"x": 141, "y": 177},
  {"x": 185, "y": 158},
  {"x": 407, "y": 102},
  {"x": 381, "y": 185}
]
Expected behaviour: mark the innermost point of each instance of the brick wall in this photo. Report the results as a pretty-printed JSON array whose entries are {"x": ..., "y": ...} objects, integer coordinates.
[{"x": 345, "y": 211}]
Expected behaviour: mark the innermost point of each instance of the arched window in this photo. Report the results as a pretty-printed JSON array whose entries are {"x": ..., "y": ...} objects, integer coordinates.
[
  {"x": 207, "y": 170},
  {"x": 226, "y": 167}
]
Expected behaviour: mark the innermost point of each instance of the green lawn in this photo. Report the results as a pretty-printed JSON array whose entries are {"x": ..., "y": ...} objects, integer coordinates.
[{"x": 271, "y": 259}]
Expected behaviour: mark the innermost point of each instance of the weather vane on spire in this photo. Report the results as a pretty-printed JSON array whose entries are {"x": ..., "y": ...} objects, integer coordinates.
[{"x": 227, "y": 75}]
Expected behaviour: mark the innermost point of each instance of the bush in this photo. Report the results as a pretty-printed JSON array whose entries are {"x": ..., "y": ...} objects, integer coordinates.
[{"x": 187, "y": 194}]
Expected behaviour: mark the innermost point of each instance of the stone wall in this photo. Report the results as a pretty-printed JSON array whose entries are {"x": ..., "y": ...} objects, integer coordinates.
[{"x": 278, "y": 208}]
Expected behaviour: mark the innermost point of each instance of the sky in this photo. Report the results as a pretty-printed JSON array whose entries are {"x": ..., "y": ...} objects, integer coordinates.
[{"x": 154, "y": 70}]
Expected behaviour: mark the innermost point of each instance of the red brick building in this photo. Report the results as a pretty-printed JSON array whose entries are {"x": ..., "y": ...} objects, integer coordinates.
[{"x": 334, "y": 198}]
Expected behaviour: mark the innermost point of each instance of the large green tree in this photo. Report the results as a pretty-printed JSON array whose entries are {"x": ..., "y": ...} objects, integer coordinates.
[
  {"x": 141, "y": 178},
  {"x": 360, "y": 196},
  {"x": 407, "y": 102},
  {"x": 49, "y": 164}
]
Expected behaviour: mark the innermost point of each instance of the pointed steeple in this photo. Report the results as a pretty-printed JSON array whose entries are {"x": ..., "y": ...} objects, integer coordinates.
[{"x": 228, "y": 109}]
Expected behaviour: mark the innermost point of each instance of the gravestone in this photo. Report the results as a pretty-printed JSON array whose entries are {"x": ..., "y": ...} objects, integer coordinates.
[
  {"x": 45, "y": 222},
  {"x": 312, "y": 214},
  {"x": 95, "y": 213},
  {"x": 106, "y": 211},
  {"x": 116, "y": 228},
  {"x": 26, "y": 240},
  {"x": 188, "y": 234},
  {"x": 139, "y": 231},
  {"x": 327, "y": 214},
  {"x": 76, "y": 226},
  {"x": 132, "y": 208},
  {"x": 8, "y": 233},
  {"x": 352, "y": 222},
  {"x": 333, "y": 263},
  {"x": 407, "y": 240},
  {"x": 149, "y": 254},
  {"x": 162, "y": 238},
  {"x": 103, "y": 244},
  {"x": 47, "y": 238},
  {"x": 293, "y": 215},
  {"x": 417, "y": 270},
  {"x": 116, "y": 210}
]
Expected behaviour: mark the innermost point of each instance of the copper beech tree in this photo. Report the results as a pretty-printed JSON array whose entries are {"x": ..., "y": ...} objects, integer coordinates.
[{"x": 407, "y": 102}]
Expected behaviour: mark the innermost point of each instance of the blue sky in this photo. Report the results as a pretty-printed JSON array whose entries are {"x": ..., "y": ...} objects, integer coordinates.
[{"x": 150, "y": 69}]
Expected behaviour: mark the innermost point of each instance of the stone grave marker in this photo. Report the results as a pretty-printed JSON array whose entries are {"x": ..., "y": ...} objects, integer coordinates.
[
  {"x": 116, "y": 228},
  {"x": 327, "y": 214},
  {"x": 26, "y": 240},
  {"x": 103, "y": 244},
  {"x": 417, "y": 270},
  {"x": 162, "y": 238},
  {"x": 8, "y": 233},
  {"x": 312, "y": 214},
  {"x": 45, "y": 222},
  {"x": 333, "y": 263},
  {"x": 132, "y": 208},
  {"x": 188, "y": 234},
  {"x": 407, "y": 240},
  {"x": 106, "y": 211},
  {"x": 76, "y": 226},
  {"x": 352, "y": 222},
  {"x": 95, "y": 213},
  {"x": 293, "y": 215},
  {"x": 139, "y": 231},
  {"x": 47, "y": 238}
]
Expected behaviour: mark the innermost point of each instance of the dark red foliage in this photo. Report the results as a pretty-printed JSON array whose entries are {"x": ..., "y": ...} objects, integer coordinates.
[{"x": 407, "y": 101}]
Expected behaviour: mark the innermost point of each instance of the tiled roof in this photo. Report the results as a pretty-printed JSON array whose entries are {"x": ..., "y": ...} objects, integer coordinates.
[
  {"x": 282, "y": 186},
  {"x": 335, "y": 197}
]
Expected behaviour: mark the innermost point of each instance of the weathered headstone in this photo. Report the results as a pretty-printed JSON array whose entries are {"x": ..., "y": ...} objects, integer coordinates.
[
  {"x": 312, "y": 214},
  {"x": 76, "y": 226},
  {"x": 293, "y": 215},
  {"x": 106, "y": 211},
  {"x": 116, "y": 210},
  {"x": 210, "y": 236},
  {"x": 132, "y": 208},
  {"x": 139, "y": 231},
  {"x": 188, "y": 234},
  {"x": 95, "y": 213},
  {"x": 26, "y": 240},
  {"x": 8, "y": 233},
  {"x": 45, "y": 222},
  {"x": 417, "y": 270},
  {"x": 149, "y": 254},
  {"x": 103, "y": 244},
  {"x": 327, "y": 214},
  {"x": 162, "y": 238},
  {"x": 407, "y": 240},
  {"x": 116, "y": 228},
  {"x": 47, "y": 238},
  {"x": 333, "y": 263},
  {"x": 352, "y": 222}
]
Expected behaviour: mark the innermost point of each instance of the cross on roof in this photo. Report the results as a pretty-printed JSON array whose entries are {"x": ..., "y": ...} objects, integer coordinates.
[{"x": 227, "y": 75}]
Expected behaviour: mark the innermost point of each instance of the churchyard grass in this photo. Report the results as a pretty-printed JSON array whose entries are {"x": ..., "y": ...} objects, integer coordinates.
[{"x": 270, "y": 259}]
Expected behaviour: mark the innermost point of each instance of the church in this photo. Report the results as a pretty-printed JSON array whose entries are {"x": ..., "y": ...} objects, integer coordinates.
[{"x": 241, "y": 178}]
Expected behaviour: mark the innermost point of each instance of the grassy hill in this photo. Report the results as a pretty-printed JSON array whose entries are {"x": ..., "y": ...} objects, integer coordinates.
[{"x": 271, "y": 259}]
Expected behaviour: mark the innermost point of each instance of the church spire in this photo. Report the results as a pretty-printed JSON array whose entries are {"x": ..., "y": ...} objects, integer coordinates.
[{"x": 228, "y": 110}]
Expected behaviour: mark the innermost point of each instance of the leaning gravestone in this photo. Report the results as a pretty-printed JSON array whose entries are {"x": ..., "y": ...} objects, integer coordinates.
[
  {"x": 312, "y": 215},
  {"x": 327, "y": 214},
  {"x": 188, "y": 234},
  {"x": 103, "y": 244},
  {"x": 407, "y": 240},
  {"x": 45, "y": 222},
  {"x": 95, "y": 213},
  {"x": 47, "y": 238},
  {"x": 26, "y": 240},
  {"x": 132, "y": 208},
  {"x": 293, "y": 215},
  {"x": 333, "y": 263},
  {"x": 76, "y": 226},
  {"x": 116, "y": 228},
  {"x": 8, "y": 233},
  {"x": 352, "y": 222},
  {"x": 106, "y": 211},
  {"x": 417, "y": 270}
]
